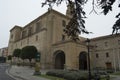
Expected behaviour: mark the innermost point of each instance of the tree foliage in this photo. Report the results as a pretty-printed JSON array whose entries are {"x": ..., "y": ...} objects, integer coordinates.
[
  {"x": 29, "y": 52},
  {"x": 17, "y": 53},
  {"x": 116, "y": 26},
  {"x": 77, "y": 22},
  {"x": 10, "y": 57},
  {"x": 23, "y": 53}
]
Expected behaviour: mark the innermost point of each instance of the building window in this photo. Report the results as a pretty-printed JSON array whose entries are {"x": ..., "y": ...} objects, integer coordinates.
[
  {"x": 108, "y": 65},
  {"x": 16, "y": 45},
  {"x": 63, "y": 37},
  {"x": 119, "y": 42},
  {"x": 96, "y": 45},
  {"x": 107, "y": 54},
  {"x": 63, "y": 23},
  {"x": 38, "y": 26},
  {"x": 11, "y": 36},
  {"x": 97, "y": 56},
  {"x": 28, "y": 40},
  {"x": 36, "y": 37},
  {"x": 21, "y": 43},
  {"x": 106, "y": 44},
  {"x": 29, "y": 31},
  {"x": 23, "y": 34}
]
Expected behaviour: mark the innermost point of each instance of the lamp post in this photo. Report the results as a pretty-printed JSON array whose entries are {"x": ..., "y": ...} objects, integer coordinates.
[{"x": 88, "y": 48}]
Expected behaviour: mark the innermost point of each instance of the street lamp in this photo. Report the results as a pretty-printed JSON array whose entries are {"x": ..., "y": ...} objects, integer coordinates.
[
  {"x": 37, "y": 65},
  {"x": 88, "y": 48},
  {"x": 38, "y": 57}
]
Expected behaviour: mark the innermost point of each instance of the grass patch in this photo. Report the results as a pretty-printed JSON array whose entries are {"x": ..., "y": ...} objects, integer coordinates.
[
  {"x": 103, "y": 79},
  {"x": 51, "y": 77}
]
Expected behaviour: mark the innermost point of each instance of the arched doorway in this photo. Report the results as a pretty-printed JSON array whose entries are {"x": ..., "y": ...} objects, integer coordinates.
[
  {"x": 59, "y": 59},
  {"x": 83, "y": 61}
]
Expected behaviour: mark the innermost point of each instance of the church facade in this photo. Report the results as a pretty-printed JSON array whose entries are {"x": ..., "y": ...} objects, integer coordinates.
[{"x": 58, "y": 51}]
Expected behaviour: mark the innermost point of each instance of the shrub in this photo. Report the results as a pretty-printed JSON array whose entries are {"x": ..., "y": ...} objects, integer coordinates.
[
  {"x": 68, "y": 74},
  {"x": 71, "y": 76},
  {"x": 56, "y": 73}
]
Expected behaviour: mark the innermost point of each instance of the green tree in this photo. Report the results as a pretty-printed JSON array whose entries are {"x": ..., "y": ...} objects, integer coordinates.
[
  {"x": 17, "y": 53},
  {"x": 10, "y": 57},
  {"x": 28, "y": 52},
  {"x": 23, "y": 54},
  {"x": 76, "y": 26}
]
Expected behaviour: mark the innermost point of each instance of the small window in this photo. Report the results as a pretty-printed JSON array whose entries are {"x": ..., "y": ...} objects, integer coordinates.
[
  {"x": 119, "y": 42},
  {"x": 11, "y": 36},
  {"x": 30, "y": 31},
  {"x": 107, "y": 54},
  {"x": 16, "y": 45},
  {"x": 106, "y": 44},
  {"x": 28, "y": 41},
  {"x": 63, "y": 23},
  {"x": 63, "y": 37},
  {"x": 96, "y": 45},
  {"x": 97, "y": 56},
  {"x": 38, "y": 26},
  {"x": 36, "y": 37},
  {"x": 21, "y": 43},
  {"x": 23, "y": 34}
]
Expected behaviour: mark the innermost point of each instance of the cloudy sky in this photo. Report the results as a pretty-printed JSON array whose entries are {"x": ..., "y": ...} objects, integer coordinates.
[{"x": 21, "y": 12}]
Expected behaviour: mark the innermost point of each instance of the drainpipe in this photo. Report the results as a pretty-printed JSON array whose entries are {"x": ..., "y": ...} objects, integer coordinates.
[
  {"x": 118, "y": 58},
  {"x": 114, "y": 60}
]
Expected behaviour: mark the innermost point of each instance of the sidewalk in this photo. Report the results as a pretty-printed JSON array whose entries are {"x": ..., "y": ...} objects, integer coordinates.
[
  {"x": 116, "y": 77},
  {"x": 24, "y": 73}
]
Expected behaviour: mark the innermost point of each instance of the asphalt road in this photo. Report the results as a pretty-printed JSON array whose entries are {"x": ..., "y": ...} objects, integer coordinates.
[{"x": 3, "y": 75}]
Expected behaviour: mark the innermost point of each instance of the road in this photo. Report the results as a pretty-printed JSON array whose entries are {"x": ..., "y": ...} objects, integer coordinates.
[{"x": 3, "y": 75}]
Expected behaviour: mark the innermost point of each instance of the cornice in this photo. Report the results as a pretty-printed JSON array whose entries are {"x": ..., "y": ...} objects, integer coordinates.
[
  {"x": 44, "y": 29},
  {"x": 16, "y": 26},
  {"x": 68, "y": 41},
  {"x": 105, "y": 37},
  {"x": 45, "y": 14}
]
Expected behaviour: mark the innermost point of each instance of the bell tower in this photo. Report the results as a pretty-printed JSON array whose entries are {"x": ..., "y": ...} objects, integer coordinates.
[{"x": 15, "y": 35}]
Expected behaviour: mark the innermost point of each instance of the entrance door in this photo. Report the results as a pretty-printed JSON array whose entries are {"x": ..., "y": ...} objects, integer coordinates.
[
  {"x": 83, "y": 61},
  {"x": 59, "y": 60},
  {"x": 108, "y": 65}
]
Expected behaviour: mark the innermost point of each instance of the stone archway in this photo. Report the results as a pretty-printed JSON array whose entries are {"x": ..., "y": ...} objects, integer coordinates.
[
  {"x": 59, "y": 59},
  {"x": 83, "y": 61}
]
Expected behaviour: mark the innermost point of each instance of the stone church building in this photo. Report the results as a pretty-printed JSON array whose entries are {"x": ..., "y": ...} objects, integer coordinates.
[{"x": 57, "y": 50}]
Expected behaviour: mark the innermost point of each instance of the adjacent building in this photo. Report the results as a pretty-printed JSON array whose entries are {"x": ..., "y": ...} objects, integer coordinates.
[
  {"x": 4, "y": 52},
  {"x": 106, "y": 51}
]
